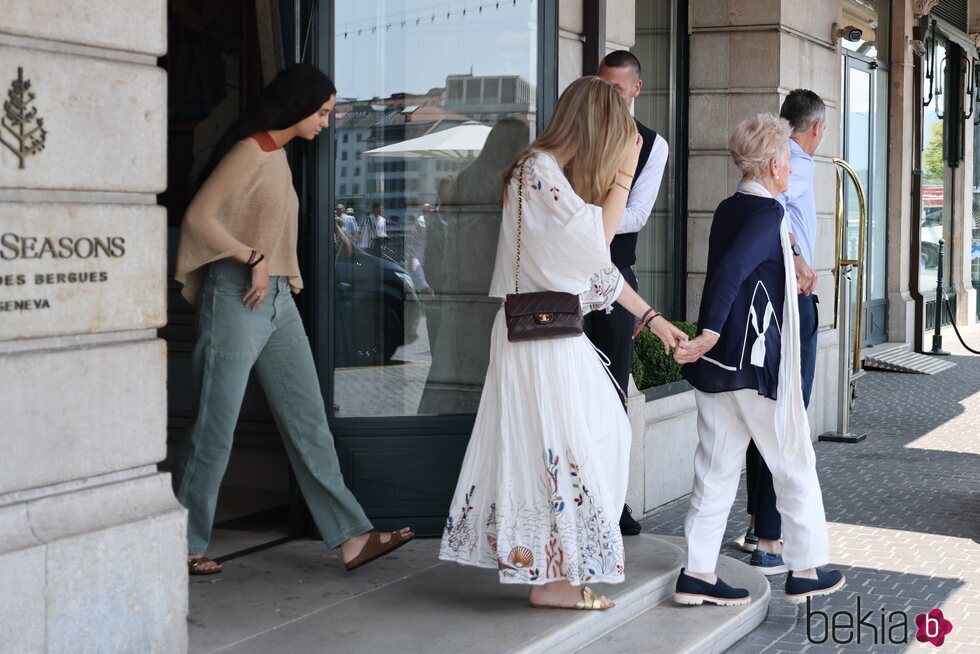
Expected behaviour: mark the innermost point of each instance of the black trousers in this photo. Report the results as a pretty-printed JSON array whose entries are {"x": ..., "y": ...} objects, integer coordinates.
[
  {"x": 758, "y": 480},
  {"x": 613, "y": 334}
]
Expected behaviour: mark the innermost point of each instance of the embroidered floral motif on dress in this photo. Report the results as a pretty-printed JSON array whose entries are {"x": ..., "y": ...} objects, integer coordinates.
[
  {"x": 531, "y": 174},
  {"x": 549, "y": 541},
  {"x": 604, "y": 288},
  {"x": 460, "y": 533}
]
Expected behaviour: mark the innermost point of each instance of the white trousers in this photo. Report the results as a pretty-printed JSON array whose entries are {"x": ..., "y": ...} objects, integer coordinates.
[{"x": 726, "y": 423}]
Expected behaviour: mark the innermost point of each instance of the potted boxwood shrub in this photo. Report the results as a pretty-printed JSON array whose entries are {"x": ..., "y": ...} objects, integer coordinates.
[{"x": 651, "y": 367}]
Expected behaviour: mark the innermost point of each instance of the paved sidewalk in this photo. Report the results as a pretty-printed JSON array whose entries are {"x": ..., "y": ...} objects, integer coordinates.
[{"x": 904, "y": 513}]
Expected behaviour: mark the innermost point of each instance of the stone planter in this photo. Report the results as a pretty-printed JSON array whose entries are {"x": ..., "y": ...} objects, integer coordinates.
[{"x": 664, "y": 422}]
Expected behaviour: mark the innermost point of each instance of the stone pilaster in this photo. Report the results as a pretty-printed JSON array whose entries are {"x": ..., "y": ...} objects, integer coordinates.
[
  {"x": 902, "y": 105},
  {"x": 92, "y": 542}
]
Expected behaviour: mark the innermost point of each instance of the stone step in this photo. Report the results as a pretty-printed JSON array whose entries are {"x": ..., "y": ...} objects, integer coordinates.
[
  {"x": 275, "y": 601},
  {"x": 652, "y": 564},
  {"x": 669, "y": 627}
]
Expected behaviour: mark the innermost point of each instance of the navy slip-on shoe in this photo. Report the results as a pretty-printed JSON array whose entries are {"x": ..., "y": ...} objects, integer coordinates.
[
  {"x": 750, "y": 542},
  {"x": 827, "y": 582},
  {"x": 768, "y": 563},
  {"x": 694, "y": 591}
]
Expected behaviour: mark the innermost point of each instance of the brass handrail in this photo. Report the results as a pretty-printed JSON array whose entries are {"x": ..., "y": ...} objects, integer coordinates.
[{"x": 840, "y": 233}]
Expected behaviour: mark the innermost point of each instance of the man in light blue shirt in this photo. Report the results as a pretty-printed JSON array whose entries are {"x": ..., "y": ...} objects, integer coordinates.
[
  {"x": 806, "y": 113},
  {"x": 800, "y": 206}
]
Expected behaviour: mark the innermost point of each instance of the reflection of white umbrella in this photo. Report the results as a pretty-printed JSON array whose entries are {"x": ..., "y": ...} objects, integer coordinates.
[{"x": 461, "y": 142}]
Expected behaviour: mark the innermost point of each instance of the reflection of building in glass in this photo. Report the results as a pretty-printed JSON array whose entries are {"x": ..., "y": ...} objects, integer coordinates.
[
  {"x": 401, "y": 183},
  {"x": 488, "y": 99}
]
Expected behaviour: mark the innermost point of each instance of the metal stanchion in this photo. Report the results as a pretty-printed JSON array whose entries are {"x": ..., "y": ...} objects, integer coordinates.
[
  {"x": 937, "y": 334},
  {"x": 844, "y": 377}
]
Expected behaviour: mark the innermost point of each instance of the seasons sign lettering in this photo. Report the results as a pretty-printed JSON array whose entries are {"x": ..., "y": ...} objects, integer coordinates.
[
  {"x": 81, "y": 268},
  {"x": 15, "y": 246}
]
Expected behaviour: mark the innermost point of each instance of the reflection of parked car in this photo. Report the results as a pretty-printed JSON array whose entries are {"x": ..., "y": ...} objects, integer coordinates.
[
  {"x": 376, "y": 310},
  {"x": 931, "y": 231}
]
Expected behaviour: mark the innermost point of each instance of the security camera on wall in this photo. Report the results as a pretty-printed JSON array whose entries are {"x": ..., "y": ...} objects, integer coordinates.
[{"x": 848, "y": 33}]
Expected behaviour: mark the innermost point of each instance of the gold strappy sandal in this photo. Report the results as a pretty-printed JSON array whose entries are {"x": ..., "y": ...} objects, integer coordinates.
[{"x": 591, "y": 601}]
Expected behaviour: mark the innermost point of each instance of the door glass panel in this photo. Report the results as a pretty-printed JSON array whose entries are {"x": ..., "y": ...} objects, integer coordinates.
[
  {"x": 857, "y": 147},
  {"x": 432, "y": 105},
  {"x": 857, "y": 151},
  {"x": 931, "y": 222},
  {"x": 878, "y": 218},
  {"x": 655, "y": 244}
]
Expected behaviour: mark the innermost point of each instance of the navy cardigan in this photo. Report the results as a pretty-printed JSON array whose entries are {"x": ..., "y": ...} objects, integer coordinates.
[{"x": 745, "y": 274}]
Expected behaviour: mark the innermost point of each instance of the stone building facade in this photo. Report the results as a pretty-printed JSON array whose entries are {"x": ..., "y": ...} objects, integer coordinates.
[{"x": 91, "y": 538}]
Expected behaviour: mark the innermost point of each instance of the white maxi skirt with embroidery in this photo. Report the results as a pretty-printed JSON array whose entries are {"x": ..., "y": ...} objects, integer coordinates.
[{"x": 544, "y": 478}]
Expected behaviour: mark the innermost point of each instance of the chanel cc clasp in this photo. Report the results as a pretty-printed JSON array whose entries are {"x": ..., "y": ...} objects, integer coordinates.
[{"x": 542, "y": 318}]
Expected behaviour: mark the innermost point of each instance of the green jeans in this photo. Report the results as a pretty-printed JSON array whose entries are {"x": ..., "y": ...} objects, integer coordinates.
[{"x": 231, "y": 340}]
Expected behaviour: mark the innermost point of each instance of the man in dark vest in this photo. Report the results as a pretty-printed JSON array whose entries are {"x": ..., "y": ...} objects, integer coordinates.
[{"x": 612, "y": 333}]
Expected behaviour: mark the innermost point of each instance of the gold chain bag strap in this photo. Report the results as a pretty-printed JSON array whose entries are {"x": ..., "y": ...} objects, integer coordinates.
[{"x": 543, "y": 314}]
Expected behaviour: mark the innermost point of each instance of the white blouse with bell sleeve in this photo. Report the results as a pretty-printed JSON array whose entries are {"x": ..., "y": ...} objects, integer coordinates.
[{"x": 562, "y": 239}]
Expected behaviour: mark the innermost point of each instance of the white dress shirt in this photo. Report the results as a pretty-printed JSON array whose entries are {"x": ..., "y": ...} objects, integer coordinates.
[{"x": 644, "y": 193}]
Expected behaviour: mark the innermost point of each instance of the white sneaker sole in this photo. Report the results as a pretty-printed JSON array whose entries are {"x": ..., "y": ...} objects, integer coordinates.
[
  {"x": 695, "y": 600},
  {"x": 771, "y": 570},
  {"x": 747, "y": 547},
  {"x": 801, "y": 598}
]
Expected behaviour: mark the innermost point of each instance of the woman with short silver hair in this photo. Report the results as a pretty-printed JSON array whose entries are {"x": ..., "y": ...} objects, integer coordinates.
[{"x": 745, "y": 368}]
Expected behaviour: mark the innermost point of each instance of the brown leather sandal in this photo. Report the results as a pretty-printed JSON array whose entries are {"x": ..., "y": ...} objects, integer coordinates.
[
  {"x": 195, "y": 565},
  {"x": 374, "y": 548}
]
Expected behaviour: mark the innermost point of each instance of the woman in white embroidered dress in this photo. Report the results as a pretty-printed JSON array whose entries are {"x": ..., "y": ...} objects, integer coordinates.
[{"x": 545, "y": 473}]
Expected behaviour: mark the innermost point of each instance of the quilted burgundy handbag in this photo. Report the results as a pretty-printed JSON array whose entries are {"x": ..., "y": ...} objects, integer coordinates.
[{"x": 543, "y": 314}]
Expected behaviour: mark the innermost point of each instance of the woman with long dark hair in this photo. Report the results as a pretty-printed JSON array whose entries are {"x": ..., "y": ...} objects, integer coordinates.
[{"x": 237, "y": 262}]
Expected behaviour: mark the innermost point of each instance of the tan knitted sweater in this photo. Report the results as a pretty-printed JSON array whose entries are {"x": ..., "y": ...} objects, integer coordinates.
[{"x": 247, "y": 203}]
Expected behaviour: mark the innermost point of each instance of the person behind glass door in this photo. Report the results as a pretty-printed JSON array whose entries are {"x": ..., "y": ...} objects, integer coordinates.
[
  {"x": 545, "y": 472},
  {"x": 612, "y": 332},
  {"x": 373, "y": 231},
  {"x": 345, "y": 220},
  {"x": 237, "y": 263},
  {"x": 805, "y": 112},
  {"x": 417, "y": 243},
  {"x": 745, "y": 368}
]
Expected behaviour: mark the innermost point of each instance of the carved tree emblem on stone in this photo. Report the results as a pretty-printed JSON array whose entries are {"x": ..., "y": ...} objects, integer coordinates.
[{"x": 21, "y": 130}]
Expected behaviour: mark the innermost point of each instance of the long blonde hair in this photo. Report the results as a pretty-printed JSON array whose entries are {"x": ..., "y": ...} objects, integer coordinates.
[{"x": 592, "y": 122}]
